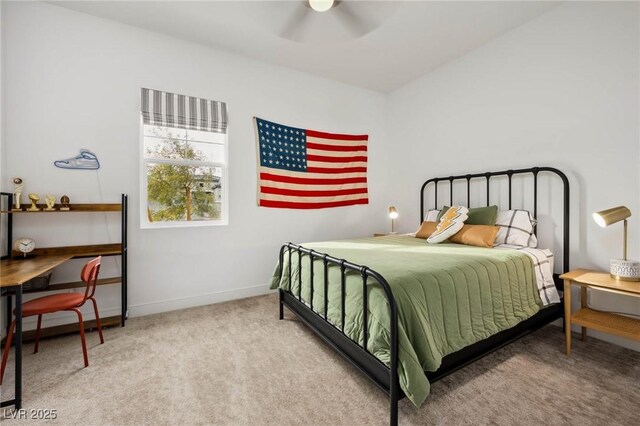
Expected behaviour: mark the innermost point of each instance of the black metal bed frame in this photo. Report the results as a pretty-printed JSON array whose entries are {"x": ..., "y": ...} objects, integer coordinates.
[{"x": 386, "y": 377}]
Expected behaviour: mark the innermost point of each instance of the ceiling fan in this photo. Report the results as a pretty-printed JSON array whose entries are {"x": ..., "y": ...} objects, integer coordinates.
[{"x": 351, "y": 16}]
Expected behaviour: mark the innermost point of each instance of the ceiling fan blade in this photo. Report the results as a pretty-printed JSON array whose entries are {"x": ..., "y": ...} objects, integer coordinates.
[
  {"x": 295, "y": 22},
  {"x": 353, "y": 21}
]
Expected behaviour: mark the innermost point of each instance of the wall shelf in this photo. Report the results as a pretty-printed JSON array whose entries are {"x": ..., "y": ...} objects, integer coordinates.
[
  {"x": 73, "y": 208},
  {"x": 75, "y": 284},
  {"x": 77, "y": 252},
  {"x": 61, "y": 330}
]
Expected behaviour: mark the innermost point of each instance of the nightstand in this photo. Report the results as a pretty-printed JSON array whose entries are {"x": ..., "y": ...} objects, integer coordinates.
[{"x": 586, "y": 317}]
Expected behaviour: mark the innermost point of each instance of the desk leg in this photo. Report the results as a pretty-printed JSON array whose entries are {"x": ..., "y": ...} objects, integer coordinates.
[
  {"x": 9, "y": 311},
  {"x": 583, "y": 304},
  {"x": 567, "y": 316},
  {"x": 18, "y": 351}
]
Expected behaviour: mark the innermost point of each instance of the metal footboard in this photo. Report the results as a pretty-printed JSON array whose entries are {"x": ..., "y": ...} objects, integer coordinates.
[{"x": 385, "y": 377}]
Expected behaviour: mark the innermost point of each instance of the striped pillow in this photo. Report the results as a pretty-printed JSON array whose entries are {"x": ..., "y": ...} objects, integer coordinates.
[
  {"x": 450, "y": 223},
  {"x": 516, "y": 228}
]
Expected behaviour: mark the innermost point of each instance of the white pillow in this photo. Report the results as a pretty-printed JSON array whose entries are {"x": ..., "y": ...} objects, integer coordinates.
[
  {"x": 432, "y": 216},
  {"x": 450, "y": 223},
  {"x": 515, "y": 228}
]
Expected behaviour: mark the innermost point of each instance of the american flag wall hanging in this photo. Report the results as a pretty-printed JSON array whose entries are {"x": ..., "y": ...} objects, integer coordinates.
[{"x": 307, "y": 169}]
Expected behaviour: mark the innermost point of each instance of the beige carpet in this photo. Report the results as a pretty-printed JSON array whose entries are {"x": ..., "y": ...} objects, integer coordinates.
[{"x": 235, "y": 363}]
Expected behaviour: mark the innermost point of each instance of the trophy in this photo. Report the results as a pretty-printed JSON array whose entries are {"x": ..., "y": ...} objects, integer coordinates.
[
  {"x": 51, "y": 202},
  {"x": 64, "y": 203},
  {"x": 34, "y": 198},
  {"x": 17, "y": 193}
]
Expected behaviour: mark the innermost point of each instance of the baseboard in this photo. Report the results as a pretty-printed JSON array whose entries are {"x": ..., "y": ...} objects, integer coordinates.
[{"x": 167, "y": 305}]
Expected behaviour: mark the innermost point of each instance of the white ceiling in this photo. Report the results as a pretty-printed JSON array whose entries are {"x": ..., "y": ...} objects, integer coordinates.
[{"x": 380, "y": 45}]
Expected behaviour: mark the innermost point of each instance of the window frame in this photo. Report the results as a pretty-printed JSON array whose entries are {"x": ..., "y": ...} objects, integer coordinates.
[{"x": 224, "y": 197}]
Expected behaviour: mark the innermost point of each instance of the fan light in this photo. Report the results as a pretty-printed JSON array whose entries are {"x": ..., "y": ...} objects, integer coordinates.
[{"x": 321, "y": 5}]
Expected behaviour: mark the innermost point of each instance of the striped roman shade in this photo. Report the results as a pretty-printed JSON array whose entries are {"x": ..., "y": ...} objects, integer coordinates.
[{"x": 185, "y": 112}]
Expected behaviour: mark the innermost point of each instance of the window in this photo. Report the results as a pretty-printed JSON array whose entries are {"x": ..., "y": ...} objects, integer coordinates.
[{"x": 184, "y": 161}]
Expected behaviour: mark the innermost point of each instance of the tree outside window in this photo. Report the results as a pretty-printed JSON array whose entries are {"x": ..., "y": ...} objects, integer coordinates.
[{"x": 184, "y": 176}]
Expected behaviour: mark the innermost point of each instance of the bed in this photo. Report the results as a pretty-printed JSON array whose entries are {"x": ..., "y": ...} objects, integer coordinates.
[{"x": 407, "y": 313}]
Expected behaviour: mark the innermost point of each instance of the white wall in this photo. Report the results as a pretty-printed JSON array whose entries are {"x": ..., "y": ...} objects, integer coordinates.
[
  {"x": 73, "y": 81},
  {"x": 561, "y": 90}
]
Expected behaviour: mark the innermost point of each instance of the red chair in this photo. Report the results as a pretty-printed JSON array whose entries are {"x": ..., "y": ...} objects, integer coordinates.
[{"x": 61, "y": 302}]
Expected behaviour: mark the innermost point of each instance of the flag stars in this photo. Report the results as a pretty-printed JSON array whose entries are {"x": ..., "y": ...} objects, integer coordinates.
[{"x": 281, "y": 146}]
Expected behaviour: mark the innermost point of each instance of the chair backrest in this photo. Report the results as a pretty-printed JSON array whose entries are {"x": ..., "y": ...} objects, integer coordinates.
[{"x": 89, "y": 275}]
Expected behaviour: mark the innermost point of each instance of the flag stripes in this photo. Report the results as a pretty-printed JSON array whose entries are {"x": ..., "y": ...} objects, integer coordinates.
[
  {"x": 335, "y": 159},
  {"x": 325, "y": 147},
  {"x": 312, "y": 193},
  {"x": 335, "y": 136},
  {"x": 336, "y": 170},
  {"x": 299, "y": 205},
  {"x": 315, "y": 187}
]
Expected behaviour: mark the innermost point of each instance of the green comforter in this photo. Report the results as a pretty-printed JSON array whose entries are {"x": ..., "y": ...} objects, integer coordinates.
[{"x": 449, "y": 296}]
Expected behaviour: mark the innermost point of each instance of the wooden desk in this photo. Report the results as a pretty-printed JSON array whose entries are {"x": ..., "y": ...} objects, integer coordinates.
[
  {"x": 14, "y": 273},
  {"x": 586, "y": 317}
]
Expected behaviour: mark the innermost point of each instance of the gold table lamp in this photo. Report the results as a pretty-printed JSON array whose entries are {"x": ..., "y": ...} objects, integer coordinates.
[
  {"x": 621, "y": 269},
  {"x": 393, "y": 215}
]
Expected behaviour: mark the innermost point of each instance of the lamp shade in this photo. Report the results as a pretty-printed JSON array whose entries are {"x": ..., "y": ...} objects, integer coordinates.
[
  {"x": 393, "y": 213},
  {"x": 611, "y": 216}
]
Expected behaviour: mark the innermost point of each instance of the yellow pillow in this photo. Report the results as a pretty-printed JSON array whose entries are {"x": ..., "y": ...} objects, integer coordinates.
[
  {"x": 476, "y": 235},
  {"x": 450, "y": 223},
  {"x": 426, "y": 229}
]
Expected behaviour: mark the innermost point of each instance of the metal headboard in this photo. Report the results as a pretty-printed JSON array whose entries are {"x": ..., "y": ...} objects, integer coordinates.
[{"x": 534, "y": 171}]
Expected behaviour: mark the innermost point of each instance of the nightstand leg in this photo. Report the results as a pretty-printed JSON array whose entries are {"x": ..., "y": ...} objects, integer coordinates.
[
  {"x": 583, "y": 304},
  {"x": 567, "y": 316}
]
